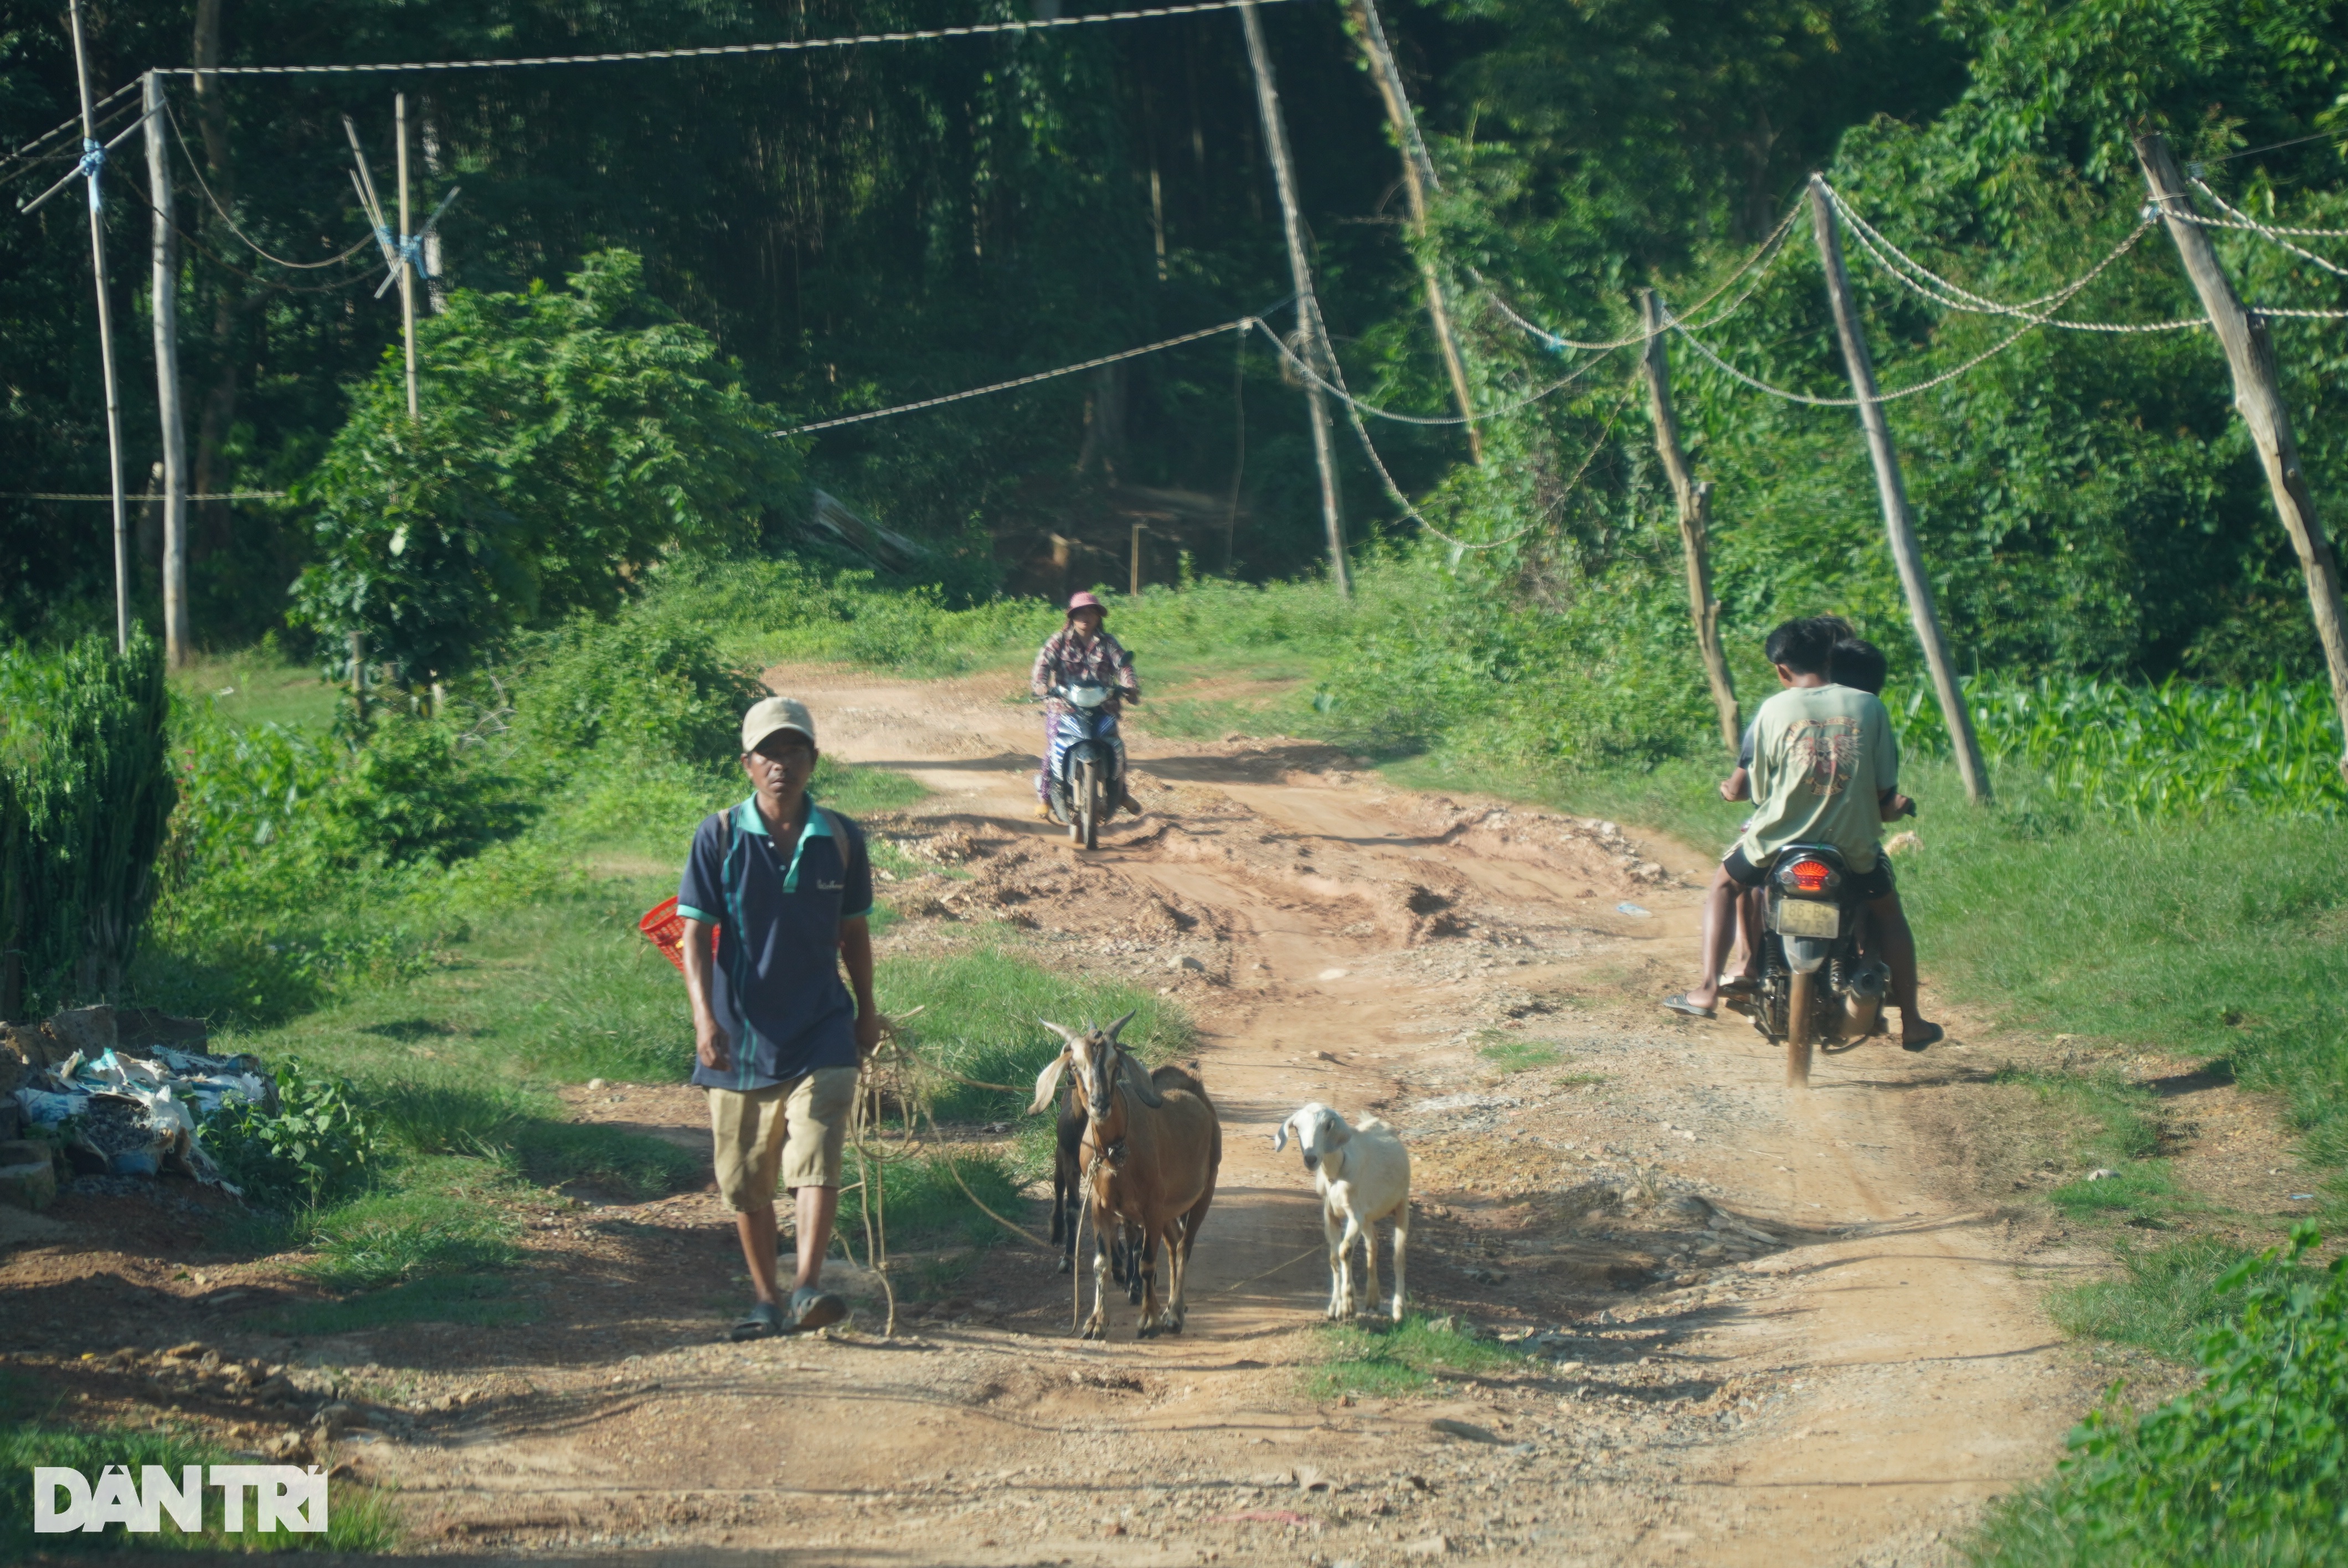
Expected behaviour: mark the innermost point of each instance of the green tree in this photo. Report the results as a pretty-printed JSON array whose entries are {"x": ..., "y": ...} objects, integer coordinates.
[{"x": 569, "y": 440}]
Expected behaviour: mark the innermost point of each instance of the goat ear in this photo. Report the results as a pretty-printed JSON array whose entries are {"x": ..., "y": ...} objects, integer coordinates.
[
  {"x": 1121, "y": 1024},
  {"x": 1333, "y": 1131},
  {"x": 1049, "y": 1082},
  {"x": 1067, "y": 1034},
  {"x": 1279, "y": 1139}
]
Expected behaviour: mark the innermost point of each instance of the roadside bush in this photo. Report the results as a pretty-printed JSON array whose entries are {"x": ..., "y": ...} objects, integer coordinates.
[
  {"x": 315, "y": 1147},
  {"x": 86, "y": 790},
  {"x": 410, "y": 794},
  {"x": 1607, "y": 681},
  {"x": 2251, "y": 1467},
  {"x": 649, "y": 683}
]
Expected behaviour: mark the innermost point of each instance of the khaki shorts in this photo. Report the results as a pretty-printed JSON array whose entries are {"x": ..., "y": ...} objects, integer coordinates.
[{"x": 750, "y": 1127}]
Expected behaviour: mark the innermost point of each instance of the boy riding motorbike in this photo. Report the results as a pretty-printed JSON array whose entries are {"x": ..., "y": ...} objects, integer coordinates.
[
  {"x": 1825, "y": 770},
  {"x": 1080, "y": 651}
]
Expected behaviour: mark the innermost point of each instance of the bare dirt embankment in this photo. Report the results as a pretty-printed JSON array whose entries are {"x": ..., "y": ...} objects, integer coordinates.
[{"x": 1767, "y": 1327}]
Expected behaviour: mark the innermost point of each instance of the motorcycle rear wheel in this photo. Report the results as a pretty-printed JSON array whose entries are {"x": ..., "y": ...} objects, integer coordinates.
[{"x": 1801, "y": 1024}]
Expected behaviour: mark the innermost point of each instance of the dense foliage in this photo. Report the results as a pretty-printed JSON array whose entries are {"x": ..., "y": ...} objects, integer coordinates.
[
  {"x": 870, "y": 226},
  {"x": 2245, "y": 1468},
  {"x": 574, "y": 438},
  {"x": 85, "y": 792}
]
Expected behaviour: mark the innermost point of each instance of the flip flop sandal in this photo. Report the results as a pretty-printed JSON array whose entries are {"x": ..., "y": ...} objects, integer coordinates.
[
  {"x": 1937, "y": 1036},
  {"x": 1680, "y": 1004},
  {"x": 762, "y": 1320},
  {"x": 812, "y": 1310}
]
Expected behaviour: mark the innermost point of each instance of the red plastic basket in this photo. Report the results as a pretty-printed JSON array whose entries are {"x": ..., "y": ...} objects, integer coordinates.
[{"x": 663, "y": 928}]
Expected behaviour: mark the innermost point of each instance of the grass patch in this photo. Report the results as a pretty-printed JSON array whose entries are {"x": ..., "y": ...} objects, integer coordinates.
[
  {"x": 982, "y": 1022},
  {"x": 358, "y": 1518},
  {"x": 923, "y": 1204},
  {"x": 2243, "y": 1468},
  {"x": 259, "y": 686},
  {"x": 1404, "y": 1359},
  {"x": 1513, "y": 1053},
  {"x": 2164, "y": 1300},
  {"x": 450, "y": 1218}
]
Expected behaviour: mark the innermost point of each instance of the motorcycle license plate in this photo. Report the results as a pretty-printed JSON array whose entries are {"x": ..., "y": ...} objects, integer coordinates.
[{"x": 1807, "y": 918}]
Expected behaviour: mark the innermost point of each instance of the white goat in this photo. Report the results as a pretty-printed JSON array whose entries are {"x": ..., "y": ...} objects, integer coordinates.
[{"x": 1362, "y": 1174}]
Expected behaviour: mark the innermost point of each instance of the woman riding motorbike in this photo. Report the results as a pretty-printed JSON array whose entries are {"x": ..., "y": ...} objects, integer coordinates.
[{"x": 1080, "y": 651}]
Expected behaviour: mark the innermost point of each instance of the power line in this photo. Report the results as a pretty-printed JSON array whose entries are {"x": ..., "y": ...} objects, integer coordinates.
[
  {"x": 1956, "y": 297},
  {"x": 1766, "y": 253},
  {"x": 1336, "y": 389},
  {"x": 1240, "y": 325},
  {"x": 1037, "y": 25},
  {"x": 181, "y": 136},
  {"x": 2273, "y": 236},
  {"x": 1394, "y": 490},
  {"x": 1945, "y": 376},
  {"x": 73, "y": 125},
  {"x": 223, "y": 496}
]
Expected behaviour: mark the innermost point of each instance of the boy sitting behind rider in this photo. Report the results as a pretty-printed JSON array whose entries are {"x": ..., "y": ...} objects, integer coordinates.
[
  {"x": 1825, "y": 770},
  {"x": 1080, "y": 651}
]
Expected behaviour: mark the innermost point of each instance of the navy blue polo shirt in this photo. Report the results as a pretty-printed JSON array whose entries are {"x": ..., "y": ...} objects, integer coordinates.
[{"x": 777, "y": 988}]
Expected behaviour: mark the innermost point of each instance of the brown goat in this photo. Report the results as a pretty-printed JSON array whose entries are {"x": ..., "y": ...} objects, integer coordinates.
[{"x": 1153, "y": 1145}]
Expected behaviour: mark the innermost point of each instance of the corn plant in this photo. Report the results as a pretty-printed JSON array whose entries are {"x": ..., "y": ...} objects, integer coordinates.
[{"x": 2175, "y": 749}]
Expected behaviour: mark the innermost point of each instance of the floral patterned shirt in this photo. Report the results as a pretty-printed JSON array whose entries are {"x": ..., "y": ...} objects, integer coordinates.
[{"x": 1103, "y": 661}]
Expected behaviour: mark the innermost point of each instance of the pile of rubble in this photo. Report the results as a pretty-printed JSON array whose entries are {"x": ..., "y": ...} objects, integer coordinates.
[{"x": 113, "y": 1092}]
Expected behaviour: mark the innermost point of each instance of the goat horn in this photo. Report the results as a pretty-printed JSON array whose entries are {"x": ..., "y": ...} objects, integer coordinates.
[
  {"x": 1136, "y": 1082},
  {"x": 1067, "y": 1035},
  {"x": 1121, "y": 1024}
]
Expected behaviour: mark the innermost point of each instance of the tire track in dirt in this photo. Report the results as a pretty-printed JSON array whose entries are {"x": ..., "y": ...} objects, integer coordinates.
[{"x": 1761, "y": 1338}]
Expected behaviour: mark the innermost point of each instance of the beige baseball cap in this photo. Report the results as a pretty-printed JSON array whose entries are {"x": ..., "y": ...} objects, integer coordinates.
[{"x": 775, "y": 713}]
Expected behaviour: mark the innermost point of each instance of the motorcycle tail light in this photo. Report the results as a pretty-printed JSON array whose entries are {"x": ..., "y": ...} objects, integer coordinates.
[{"x": 1809, "y": 875}]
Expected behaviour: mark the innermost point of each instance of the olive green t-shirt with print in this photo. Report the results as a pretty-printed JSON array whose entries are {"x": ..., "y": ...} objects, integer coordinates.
[{"x": 1822, "y": 758}]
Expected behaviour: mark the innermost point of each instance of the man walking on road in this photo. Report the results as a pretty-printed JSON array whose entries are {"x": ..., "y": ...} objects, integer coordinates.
[{"x": 787, "y": 886}]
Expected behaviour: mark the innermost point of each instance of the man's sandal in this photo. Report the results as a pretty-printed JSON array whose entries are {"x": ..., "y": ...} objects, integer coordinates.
[
  {"x": 1928, "y": 1043},
  {"x": 1680, "y": 1004},
  {"x": 764, "y": 1320}
]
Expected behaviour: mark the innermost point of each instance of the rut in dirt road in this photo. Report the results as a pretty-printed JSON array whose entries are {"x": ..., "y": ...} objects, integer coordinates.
[{"x": 1737, "y": 1330}]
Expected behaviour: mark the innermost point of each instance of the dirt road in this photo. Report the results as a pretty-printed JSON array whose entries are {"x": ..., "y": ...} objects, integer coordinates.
[{"x": 1753, "y": 1333}]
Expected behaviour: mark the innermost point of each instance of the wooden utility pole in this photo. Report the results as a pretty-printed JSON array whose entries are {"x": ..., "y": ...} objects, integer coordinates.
[
  {"x": 1898, "y": 523},
  {"x": 2250, "y": 354},
  {"x": 1308, "y": 308},
  {"x": 407, "y": 258},
  {"x": 1134, "y": 585},
  {"x": 1694, "y": 501},
  {"x": 166, "y": 312},
  {"x": 1417, "y": 179},
  {"x": 94, "y": 162}
]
